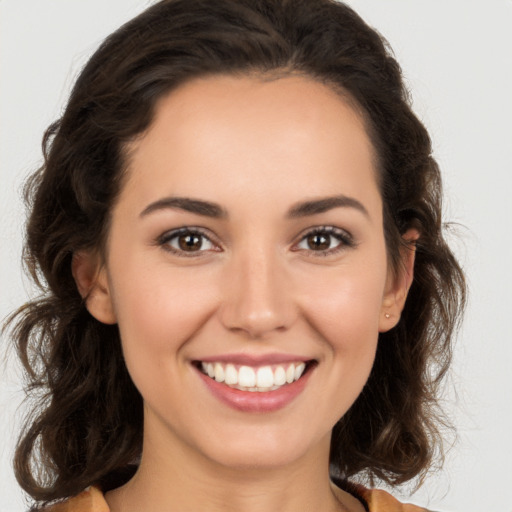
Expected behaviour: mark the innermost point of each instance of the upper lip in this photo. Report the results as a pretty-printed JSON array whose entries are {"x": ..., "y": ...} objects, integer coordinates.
[{"x": 255, "y": 359}]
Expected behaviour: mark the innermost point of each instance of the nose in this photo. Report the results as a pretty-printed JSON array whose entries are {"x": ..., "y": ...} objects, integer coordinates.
[{"x": 258, "y": 296}]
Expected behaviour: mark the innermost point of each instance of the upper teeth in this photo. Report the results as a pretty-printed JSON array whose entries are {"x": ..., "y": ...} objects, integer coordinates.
[{"x": 263, "y": 378}]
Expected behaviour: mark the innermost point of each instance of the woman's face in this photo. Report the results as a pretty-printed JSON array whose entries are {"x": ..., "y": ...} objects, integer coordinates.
[{"x": 247, "y": 242}]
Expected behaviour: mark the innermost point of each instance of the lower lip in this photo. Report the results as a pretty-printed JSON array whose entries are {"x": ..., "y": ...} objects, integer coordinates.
[{"x": 254, "y": 401}]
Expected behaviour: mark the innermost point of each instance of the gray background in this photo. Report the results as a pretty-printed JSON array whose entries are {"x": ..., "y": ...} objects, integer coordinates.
[{"x": 457, "y": 58}]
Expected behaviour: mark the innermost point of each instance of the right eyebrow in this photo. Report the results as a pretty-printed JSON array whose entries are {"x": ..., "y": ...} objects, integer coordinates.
[{"x": 197, "y": 206}]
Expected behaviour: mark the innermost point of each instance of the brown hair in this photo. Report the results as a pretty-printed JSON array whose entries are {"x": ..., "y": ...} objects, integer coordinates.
[{"x": 87, "y": 426}]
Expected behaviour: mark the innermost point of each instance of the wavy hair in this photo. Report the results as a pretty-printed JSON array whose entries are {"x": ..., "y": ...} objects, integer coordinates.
[{"x": 74, "y": 364}]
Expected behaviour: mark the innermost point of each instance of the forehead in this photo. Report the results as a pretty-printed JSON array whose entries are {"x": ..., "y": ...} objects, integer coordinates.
[{"x": 226, "y": 134}]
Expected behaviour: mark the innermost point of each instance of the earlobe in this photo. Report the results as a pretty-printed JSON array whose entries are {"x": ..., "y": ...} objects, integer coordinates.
[
  {"x": 92, "y": 284},
  {"x": 398, "y": 284}
]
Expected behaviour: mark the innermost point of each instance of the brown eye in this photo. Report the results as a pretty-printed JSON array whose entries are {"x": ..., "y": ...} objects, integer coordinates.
[
  {"x": 325, "y": 241},
  {"x": 187, "y": 241},
  {"x": 190, "y": 242},
  {"x": 318, "y": 241}
]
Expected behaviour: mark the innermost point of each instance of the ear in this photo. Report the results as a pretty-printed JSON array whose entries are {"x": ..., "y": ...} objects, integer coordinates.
[
  {"x": 398, "y": 283},
  {"x": 91, "y": 280}
]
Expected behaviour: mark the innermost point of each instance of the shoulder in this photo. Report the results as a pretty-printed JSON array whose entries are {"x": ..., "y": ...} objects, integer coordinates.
[
  {"x": 381, "y": 501},
  {"x": 90, "y": 500}
]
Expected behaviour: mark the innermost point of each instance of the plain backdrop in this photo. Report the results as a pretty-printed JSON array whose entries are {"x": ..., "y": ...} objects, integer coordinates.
[{"x": 457, "y": 59}]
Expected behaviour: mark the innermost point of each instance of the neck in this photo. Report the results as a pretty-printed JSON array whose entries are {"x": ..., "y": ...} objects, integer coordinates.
[{"x": 178, "y": 478}]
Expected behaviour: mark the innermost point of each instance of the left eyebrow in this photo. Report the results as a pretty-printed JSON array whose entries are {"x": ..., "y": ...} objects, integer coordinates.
[{"x": 325, "y": 204}]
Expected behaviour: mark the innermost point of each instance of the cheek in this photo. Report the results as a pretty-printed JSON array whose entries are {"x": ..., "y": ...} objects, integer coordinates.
[
  {"x": 158, "y": 310},
  {"x": 348, "y": 324},
  {"x": 344, "y": 304},
  {"x": 346, "y": 317}
]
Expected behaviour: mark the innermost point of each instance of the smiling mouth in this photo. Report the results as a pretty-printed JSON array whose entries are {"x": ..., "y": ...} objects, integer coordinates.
[{"x": 255, "y": 379}]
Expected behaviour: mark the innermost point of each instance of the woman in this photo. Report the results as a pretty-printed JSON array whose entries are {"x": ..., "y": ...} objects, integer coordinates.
[{"x": 248, "y": 299}]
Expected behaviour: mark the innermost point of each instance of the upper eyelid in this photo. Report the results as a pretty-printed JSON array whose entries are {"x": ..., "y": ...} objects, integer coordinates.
[
  {"x": 347, "y": 240},
  {"x": 171, "y": 233},
  {"x": 186, "y": 229},
  {"x": 331, "y": 230}
]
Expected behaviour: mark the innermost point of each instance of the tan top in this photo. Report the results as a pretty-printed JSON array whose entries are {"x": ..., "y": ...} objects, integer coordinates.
[
  {"x": 381, "y": 501},
  {"x": 92, "y": 500}
]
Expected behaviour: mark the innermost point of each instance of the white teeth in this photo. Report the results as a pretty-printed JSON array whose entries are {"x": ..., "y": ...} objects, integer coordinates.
[
  {"x": 246, "y": 377},
  {"x": 264, "y": 378},
  {"x": 279, "y": 376},
  {"x": 231, "y": 376},
  {"x": 299, "y": 370},
  {"x": 290, "y": 374},
  {"x": 219, "y": 372}
]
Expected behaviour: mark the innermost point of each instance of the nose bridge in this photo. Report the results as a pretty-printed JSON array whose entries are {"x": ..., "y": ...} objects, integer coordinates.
[{"x": 257, "y": 299}]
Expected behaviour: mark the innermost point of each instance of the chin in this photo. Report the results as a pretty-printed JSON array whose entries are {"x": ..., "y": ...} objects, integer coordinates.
[{"x": 266, "y": 451}]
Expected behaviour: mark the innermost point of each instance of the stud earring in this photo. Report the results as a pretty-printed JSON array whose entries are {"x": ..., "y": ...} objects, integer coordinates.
[{"x": 387, "y": 315}]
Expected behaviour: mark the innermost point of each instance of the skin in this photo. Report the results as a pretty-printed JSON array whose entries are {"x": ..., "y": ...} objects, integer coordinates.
[{"x": 256, "y": 148}]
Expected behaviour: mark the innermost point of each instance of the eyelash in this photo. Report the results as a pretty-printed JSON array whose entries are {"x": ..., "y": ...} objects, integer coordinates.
[
  {"x": 345, "y": 240},
  {"x": 166, "y": 239}
]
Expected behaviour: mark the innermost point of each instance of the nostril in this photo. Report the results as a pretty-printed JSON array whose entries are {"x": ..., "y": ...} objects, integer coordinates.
[
  {"x": 256, "y": 299},
  {"x": 256, "y": 324}
]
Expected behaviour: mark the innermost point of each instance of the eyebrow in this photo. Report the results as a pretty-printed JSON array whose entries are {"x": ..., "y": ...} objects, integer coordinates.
[
  {"x": 325, "y": 204},
  {"x": 184, "y": 203},
  {"x": 208, "y": 209}
]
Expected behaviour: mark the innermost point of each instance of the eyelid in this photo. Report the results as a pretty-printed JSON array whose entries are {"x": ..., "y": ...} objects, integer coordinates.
[
  {"x": 345, "y": 238},
  {"x": 164, "y": 239}
]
